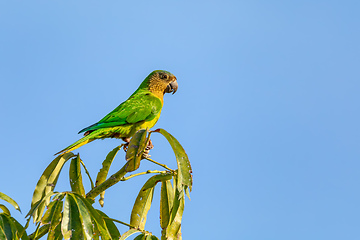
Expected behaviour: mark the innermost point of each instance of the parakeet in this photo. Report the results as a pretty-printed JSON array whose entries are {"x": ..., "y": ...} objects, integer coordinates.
[{"x": 140, "y": 111}]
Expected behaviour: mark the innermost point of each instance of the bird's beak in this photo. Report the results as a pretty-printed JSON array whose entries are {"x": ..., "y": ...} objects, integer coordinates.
[{"x": 172, "y": 87}]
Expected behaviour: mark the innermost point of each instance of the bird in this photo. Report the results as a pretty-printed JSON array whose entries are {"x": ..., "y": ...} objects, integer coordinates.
[{"x": 140, "y": 111}]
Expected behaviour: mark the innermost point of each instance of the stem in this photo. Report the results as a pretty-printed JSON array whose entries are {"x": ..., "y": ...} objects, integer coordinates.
[
  {"x": 142, "y": 173},
  {"x": 115, "y": 178},
  {"x": 163, "y": 165},
  {"x": 91, "y": 182},
  {"x": 114, "y": 220}
]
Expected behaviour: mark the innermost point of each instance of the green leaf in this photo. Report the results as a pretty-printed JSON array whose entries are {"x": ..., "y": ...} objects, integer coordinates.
[
  {"x": 48, "y": 214},
  {"x": 151, "y": 237},
  {"x": 39, "y": 232},
  {"x": 97, "y": 233},
  {"x": 20, "y": 230},
  {"x": 55, "y": 222},
  {"x": 129, "y": 233},
  {"x": 97, "y": 219},
  {"x": 75, "y": 176},
  {"x": 6, "y": 228},
  {"x": 140, "y": 237},
  {"x": 141, "y": 208},
  {"x": 187, "y": 192},
  {"x": 56, "y": 234},
  {"x": 2, "y": 230},
  {"x": 184, "y": 167},
  {"x": 136, "y": 148},
  {"x": 5, "y": 209},
  {"x": 70, "y": 223},
  {"x": 144, "y": 199},
  {"x": 85, "y": 217},
  {"x": 8, "y": 199},
  {"x": 47, "y": 182},
  {"x": 166, "y": 202},
  {"x": 114, "y": 232},
  {"x": 39, "y": 207},
  {"x": 102, "y": 175},
  {"x": 172, "y": 231},
  {"x": 53, "y": 209}
]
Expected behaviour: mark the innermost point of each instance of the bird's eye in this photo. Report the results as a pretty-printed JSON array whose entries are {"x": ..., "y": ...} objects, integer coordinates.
[{"x": 163, "y": 76}]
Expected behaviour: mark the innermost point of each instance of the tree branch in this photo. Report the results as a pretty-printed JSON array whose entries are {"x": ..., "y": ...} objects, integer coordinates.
[{"x": 115, "y": 178}]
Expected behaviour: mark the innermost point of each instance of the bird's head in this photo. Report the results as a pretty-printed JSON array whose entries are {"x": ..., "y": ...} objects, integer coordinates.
[{"x": 161, "y": 81}]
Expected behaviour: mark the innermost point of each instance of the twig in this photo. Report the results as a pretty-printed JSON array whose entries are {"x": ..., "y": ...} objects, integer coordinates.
[
  {"x": 126, "y": 224},
  {"x": 142, "y": 173},
  {"x": 91, "y": 182},
  {"x": 163, "y": 165}
]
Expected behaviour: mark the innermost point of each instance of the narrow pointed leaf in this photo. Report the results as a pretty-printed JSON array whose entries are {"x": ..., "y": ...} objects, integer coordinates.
[
  {"x": 144, "y": 199},
  {"x": 47, "y": 182},
  {"x": 39, "y": 232},
  {"x": 166, "y": 201},
  {"x": 141, "y": 208},
  {"x": 21, "y": 232},
  {"x": 187, "y": 192},
  {"x": 96, "y": 233},
  {"x": 184, "y": 167},
  {"x": 102, "y": 175},
  {"x": 48, "y": 214},
  {"x": 55, "y": 222},
  {"x": 66, "y": 219},
  {"x": 39, "y": 207},
  {"x": 113, "y": 230},
  {"x": 136, "y": 147},
  {"x": 6, "y": 227},
  {"x": 141, "y": 237},
  {"x": 85, "y": 218},
  {"x": 75, "y": 176},
  {"x": 129, "y": 233},
  {"x": 172, "y": 231},
  {"x": 71, "y": 222},
  {"x": 5, "y": 209},
  {"x": 15, "y": 233},
  {"x": 8, "y": 199},
  {"x": 2, "y": 231},
  {"x": 151, "y": 237},
  {"x": 175, "y": 206},
  {"x": 98, "y": 220},
  {"x": 56, "y": 233}
]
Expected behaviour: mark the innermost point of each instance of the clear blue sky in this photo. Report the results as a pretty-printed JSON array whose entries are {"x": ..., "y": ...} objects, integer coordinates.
[{"x": 267, "y": 106}]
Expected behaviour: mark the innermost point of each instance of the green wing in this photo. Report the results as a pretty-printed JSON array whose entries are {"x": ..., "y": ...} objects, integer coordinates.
[{"x": 139, "y": 107}]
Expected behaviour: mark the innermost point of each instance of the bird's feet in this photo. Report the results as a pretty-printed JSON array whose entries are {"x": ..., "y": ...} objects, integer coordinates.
[
  {"x": 147, "y": 149},
  {"x": 126, "y": 144},
  {"x": 149, "y": 145}
]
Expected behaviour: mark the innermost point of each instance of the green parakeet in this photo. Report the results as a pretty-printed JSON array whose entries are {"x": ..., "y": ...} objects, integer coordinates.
[{"x": 140, "y": 111}]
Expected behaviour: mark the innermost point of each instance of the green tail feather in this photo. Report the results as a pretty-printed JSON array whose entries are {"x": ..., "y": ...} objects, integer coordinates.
[
  {"x": 78, "y": 143},
  {"x": 118, "y": 132}
]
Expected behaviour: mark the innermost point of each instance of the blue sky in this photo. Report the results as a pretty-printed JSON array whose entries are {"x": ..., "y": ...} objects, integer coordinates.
[{"x": 267, "y": 106}]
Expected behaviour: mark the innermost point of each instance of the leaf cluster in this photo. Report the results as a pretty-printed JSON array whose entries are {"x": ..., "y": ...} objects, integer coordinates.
[{"x": 71, "y": 214}]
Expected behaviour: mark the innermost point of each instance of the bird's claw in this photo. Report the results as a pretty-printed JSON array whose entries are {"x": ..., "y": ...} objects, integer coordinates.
[
  {"x": 147, "y": 150},
  {"x": 149, "y": 146},
  {"x": 125, "y": 147},
  {"x": 146, "y": 155}
]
